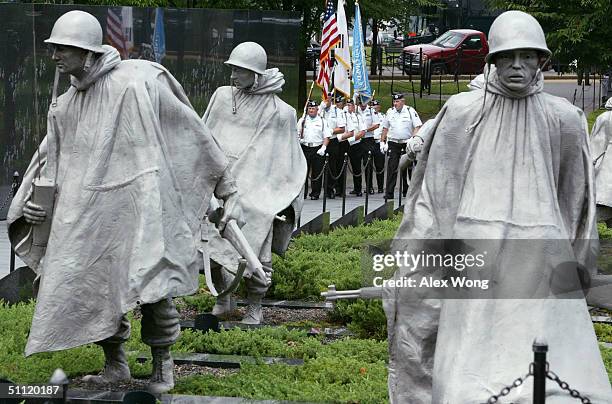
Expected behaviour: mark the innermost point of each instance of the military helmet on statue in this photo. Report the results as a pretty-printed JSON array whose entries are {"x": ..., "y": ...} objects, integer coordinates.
[
  {"x": 79, "y": 29},
  {"x": 516, "y": 30},
  {"x": 249, "y": 55}
]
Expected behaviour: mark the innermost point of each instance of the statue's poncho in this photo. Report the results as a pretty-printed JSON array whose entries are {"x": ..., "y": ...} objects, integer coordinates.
[
  {"x": 521, "y": 170},
  {"x": 136, "y": 169},
  {"x": 601, "y": 138},
  {"x": 265, "y": 159}
]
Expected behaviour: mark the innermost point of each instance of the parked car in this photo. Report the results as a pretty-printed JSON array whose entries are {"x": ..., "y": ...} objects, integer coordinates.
[
  {"x": 458, "y": 50},
  {"x": 312, "y": 56}
]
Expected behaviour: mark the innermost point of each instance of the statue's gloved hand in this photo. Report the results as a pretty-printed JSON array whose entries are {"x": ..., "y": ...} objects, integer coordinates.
[
  {"x": 232, "y": 210},
  {"x": 321, "y": 151},
  {"x": 33, "y": 213}
]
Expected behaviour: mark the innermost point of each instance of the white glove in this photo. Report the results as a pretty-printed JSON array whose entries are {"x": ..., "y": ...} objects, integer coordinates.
[
  {"x": 383, "y": 147},
  {"x": 339, "y": 136},
  {"x": 321, "y": 151},
  {"x": 351, "y": 139},
  {"x": 415, "y": 144}
]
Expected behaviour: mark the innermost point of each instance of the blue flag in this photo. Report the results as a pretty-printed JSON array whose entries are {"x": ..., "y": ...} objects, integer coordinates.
[
  {"x": 361, "y": 82},
  {"x": 159, "y": 37}
]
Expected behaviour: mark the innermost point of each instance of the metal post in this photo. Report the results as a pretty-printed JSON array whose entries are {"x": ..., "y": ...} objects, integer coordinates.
[
  {"x": 14, "y": 187},
  {"x": 583, "y": 80},
  {"x": 440, "y": 95},
  {"x": 429, "y": 75},
  {"x": 344, "y": 166},
  {"x": 385, "y": 177},
  {"x": 400, "y": 177},
  {"x": 594, "y": 89},
  {"x": 308, "y": 168},
  {"x": 325, "y": 179},
  {"x": 368, "y": 181},
  {"x": 421, "y": 71},
  {"x": 410, "y": 70},
  {"x": 540, "y": 347},
  {"x": 403, "y": 63},
  {"x": 392, "y": 73},
  {"x": 574, "y": 99}
]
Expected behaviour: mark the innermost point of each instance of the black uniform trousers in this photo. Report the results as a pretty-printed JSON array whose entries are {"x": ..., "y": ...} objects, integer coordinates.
[
  {"x": 356, "y": 156},
  {"x": 378, "y": 162},
  {"x": 336, "y": 152},
  {"x": 395, "y": 152},
  {"x": 315, "y": 165}
]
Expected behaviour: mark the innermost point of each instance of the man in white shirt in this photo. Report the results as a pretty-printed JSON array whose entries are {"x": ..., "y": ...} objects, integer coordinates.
[
  {"x": 378, "y": 155},
  {"x": 355, "y": 130},
  {"x": 314, "y": 137},
  {"x": 399, "y": 125},
  {"x": 368, "y": 143},
  {"x": 335, "y": 118}
]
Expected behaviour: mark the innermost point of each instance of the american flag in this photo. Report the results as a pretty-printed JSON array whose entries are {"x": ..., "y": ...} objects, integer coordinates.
[
  {"x": 330, "y": 38},
  {"x": 114, "y": 32}
]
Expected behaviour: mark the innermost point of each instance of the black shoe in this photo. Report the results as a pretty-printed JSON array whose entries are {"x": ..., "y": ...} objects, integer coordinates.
[
  {"x": 314, "y": 197},
  {"x": 371, "y": 191},
  {"x": 353, "y": 192},
  {"x": 389, "y": 196},
  {"x": 358, "y": 193},
  {"x": 331, "y": 196},
  {"x": 380, "y": 190}
]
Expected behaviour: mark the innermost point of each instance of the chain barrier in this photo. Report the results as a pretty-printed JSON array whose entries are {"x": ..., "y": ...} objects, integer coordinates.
[
  {"x": 320, "y": 174},
  {"x": 506, "y": 390},
  {"x": 8, "y": 197},
  {"x": 550, "y": 375},
  {"x": 350, "y": 168},
  {"x": 574, "y": 393},
  {"x": 334, "y": 178}
]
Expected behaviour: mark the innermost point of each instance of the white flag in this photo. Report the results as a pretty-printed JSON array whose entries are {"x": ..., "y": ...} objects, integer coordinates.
[{"x": 342, "y": 54}]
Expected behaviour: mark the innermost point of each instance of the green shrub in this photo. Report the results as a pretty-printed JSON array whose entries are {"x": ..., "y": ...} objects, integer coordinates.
[
  {"x": 606, "y": 354},
  {"x": 365, "y": 318},
  {"x": 345, "y": 371},
  {"x": 603, "y": 332}
]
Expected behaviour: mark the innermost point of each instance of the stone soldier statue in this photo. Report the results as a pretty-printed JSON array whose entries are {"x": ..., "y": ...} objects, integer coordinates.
[
  {"x": 602, "y": 160},
  {"x": 503, "y": 163},
  {"x": 257, "y": 132},
  {"x": 314, "y": 136},
  {"x": 123, "y": 147}
]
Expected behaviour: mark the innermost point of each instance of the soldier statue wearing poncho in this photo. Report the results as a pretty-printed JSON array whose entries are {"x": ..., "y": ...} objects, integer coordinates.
[
  {"x": 506, "y": 161},
  {"x": 134, "y": 168},
  {"x": 256, "y": 131},
  {"x": 601, "y": 138}
]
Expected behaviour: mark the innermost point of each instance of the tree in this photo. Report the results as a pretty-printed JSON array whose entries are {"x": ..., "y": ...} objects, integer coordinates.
[{"x": 575, "y": 29}]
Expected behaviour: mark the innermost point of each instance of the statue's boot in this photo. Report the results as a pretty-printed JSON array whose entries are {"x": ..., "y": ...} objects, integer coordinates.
[
  {"x": 162, "y": 379},
  {"x": 254, "y": 312},
  {"x": 224, "y": 305},
  {"x": 116, "y": 368}
]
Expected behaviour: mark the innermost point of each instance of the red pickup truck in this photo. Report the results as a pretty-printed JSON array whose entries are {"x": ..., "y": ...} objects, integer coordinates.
[{"x": 458, "y": 50}]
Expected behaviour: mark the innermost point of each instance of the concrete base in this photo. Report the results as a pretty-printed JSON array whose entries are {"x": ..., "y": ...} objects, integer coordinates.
[
  {"x": 17, "y": 286},
  {"x": 600, "y": 293},
  {"x": 381, "y": 213},
  {"x": 355, "y": 217},
  {"x": 319, "y": 224}
]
